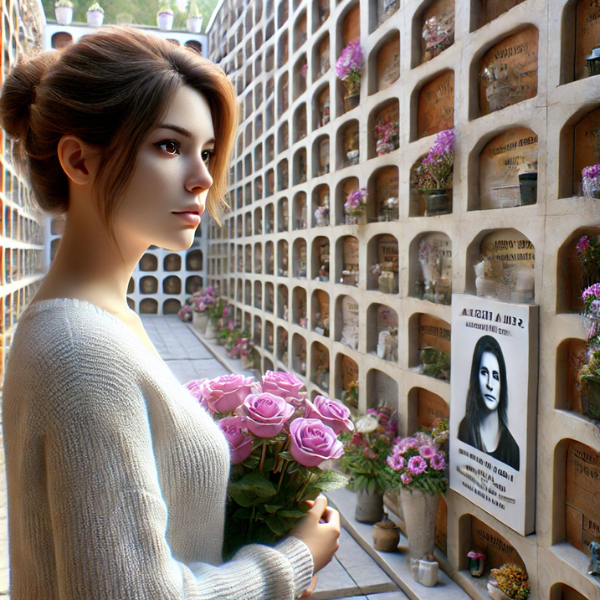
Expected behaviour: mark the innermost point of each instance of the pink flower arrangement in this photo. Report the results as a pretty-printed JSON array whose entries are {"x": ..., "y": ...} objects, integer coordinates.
[
  {"x": 436, "y": 169},
  {"x": 349, "y": 64},
  {"x": 591, "y": 172},
  {"x": 203, "y": 299},
  {"x": 355, "y": 204}
]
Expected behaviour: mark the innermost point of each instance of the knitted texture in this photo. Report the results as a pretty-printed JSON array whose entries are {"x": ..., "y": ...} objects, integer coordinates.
[{"x": 117, "y": 478}]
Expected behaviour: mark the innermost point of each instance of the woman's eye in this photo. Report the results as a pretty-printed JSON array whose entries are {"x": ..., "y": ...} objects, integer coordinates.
[
  {"x": 496, "y": 376},
  {"x": 207, "y": 156},
  {"x": 169, "y": 146}
]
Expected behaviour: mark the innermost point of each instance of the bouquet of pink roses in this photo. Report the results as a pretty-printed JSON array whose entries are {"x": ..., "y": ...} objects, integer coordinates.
[{"x": 278, "y": 439}]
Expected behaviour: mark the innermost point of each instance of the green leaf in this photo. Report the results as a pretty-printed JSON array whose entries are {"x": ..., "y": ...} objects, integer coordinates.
[
  {"x": 290, "y": 514},
  {"x": 276, "y": 525},
  {"x": 332, "y": 480},
  {"x": 240, "y": 497},
  {"x": 255, "y": 483},
  {"x": 243, "y": 513},
  {"x": 273, "y": 508},
  {"x": 372, "y": 486},
  {"x": 316, "y": 470},
  {"x": 311, "y": 493},
  {"x": 286, "y": 455}
]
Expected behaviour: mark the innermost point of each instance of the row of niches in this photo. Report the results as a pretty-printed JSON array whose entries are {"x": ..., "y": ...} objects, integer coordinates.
[
  {"x": 151, "y": 306},
  {"x": 20, "y": 263},
  {"x": 14, "y": 225},
  {"x": 172, "y": 262},
  {"x": 171, "y": 285},
  {"x": 12, "y": 305},
  {"x": 503, "y": 264}
]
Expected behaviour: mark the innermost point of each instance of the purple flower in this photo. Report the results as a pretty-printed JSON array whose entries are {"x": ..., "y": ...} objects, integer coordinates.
[
  {"x": 312, "y": 442},
  {"x": 405, "y": 478},
  {"x": 197, "y": 388},
  {"x": 264, "y": 414},
  {"x": 591, "y": 172},
  {"x": 240, "y": 444},
  {"x": 437, "y": 462},
  {"x": 331, "y": 412},
  {"x": 427, "y": 451},
  {"x": 396, "y": 462},
  {"x": 350, "y": 62},
  {"x": 225, "y": 393},
  {"x": 592, "y": 291},
  {"x": 417, "y": 464},
  {"x": 282, "y": 384},
  {"x": 583, "y": 244},
  {"x": 406, "y": 443}
]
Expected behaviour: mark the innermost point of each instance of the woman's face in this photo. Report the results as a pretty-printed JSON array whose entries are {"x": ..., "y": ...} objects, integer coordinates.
[
  {"x": 489, "y": 380},
  {"x": 166, "y": 194}
]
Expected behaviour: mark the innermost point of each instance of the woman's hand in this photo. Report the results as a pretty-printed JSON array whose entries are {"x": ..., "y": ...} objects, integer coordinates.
[{"x": 319, "y": 529}]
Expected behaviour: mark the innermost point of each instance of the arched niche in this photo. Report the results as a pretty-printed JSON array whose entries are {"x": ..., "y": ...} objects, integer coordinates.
[
  {"x": 171, "y": 306},
  {"x": 148, "y": 306},
  {"x": 300, "y": 166},
  {"x": 321, "y": 107},
  {"x": 131, "y": 286},
  {"x": 380, "y": 11},
  {"x": 320, "y": 257},
  {"x": 299, "y": 123},
  {"x": 435, "y": 106},
  {"x": 282, "y": 50},
  {"x": 248, "y": 222},
  {"x": 258, "y": 190},
  {"x": 320, "y": 12},
  {"x": 570, "y": 354},
  {"x": 269, "y": 149},
  {"x": 321, "y": 57},
  {"x": 239, "y": 290},
  {"x": 562, "y": 591},
  {"x": 347, "y": 380},
  {"x": 247, "y": 293},
  {"x": 258, "y": 126},
  {"x": 172, "y": 262},
  {"x": 258, "y": 295},
  {"x": 430, "y": 267},
  {"x": 505, "y": 261},
  {"x": 269, "y": 336},
  {"x": 348, "y": 145},
  {"x": 385, "y": 62},
  {"x": 258, "y": 258},
  {"x": 282, "y": 12},
  {"x": 300, "y": 74},
  {"x": 347, "y": 322},
  {"x": 193, "y": 284},
  {"x": 248, "y": 256},
  {"x": 283, "y": 180},
  {"x": 320, "y": 312},
  {"x": 258, "y": 222},
  {"x": 580, "y": 35},
  {"x": 299, "y": 354},
  {"x": 57, "y": 225},
  {"x": 485, "y": 11},
  {"x": 347, "y": 269},
  {"x": 432, "y": 30},
  {"x": 384, "y": 194},
  {"x": 283, "y": 94},
  {"x": 282, "y": 302},
  {"x": 270, "y": 182},
  {"x": 148, "y": 262},
  {"x": 283, "y": 215},
  {"x": 383, "y": 263},
  {"x": 171, "y": 285},
  {"x": 424, "y": 408},
  {"x": 321, "y": 157},
  {"x": 382, "y": 339},
  {"x": 299, "y": 258},
  {"x": 582, "y": 146},
  {"x": 433, "y": 335},
  {"x": 148, "y": 285},
  {"x": 282, "y": 345},
  {"x": 384, "y": 123},
  {"x": 344, "y": 189},
  {"x": 269, "y": 297},
  {"x": 269, "y": 261},
  {"x": 508, "y": 72},
  {"x": 60, "y": 40},
  {"x": 193, "y": 260},
  {"x": 299, "y": 307},
  {"x": 248, "y": 136},
  {"x": 508, "y": 167},
  {"x": 320, "y": 206}
]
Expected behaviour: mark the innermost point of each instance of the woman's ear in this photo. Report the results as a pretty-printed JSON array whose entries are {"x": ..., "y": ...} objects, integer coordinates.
[{"x": 77, "y": 160}]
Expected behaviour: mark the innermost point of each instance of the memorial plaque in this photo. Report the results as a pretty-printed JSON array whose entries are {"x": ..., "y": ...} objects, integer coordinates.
[
  {"x": 430, "y": 407},
  {"x": 436, "y": 105},
  {"x": 498, "y": 551},
  {"x": 388, "y": 64},
  {"x": 588, "y": 34},
  {"x": 387, "y": 252},
  {"x": 438, "y": 28},
  {"x": 509, "y": 72},
  {"x": 513, "y": 152},
  {"x": 491, "y": 9},
  {"x": 350, "y": 322},
  {"x": 434, "y": 332},
  {"x": 323, "y": 300},
  {"x": 351, "y": 25},
  {"x": 582, "y": 496},
  {"x": 323, "y": 57},
  {"x": 587, "y": 146}
]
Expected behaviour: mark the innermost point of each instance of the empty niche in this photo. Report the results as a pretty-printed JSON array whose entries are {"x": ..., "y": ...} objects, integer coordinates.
[
  {"x": 240, "y": 260},
  {"x": 247, "y": 324},
  {"x": 270, "y": 179},
  {"x": 258, "y": 126},
  {"x": 347, "y": 322},
  {"x": 269, "y": 297},
  {"x": 269, "y": 336},
  {"x": 321, "y": 112},
  {"x": 148, "y": 262},
  {"x": 436, "y": 105},
  {"x": 320, "y": 312},
  {"x": 131, "y": 286},
  {"x": 346, "y": 380},
  {"x": 384, "y": 123},
  {"x": 300, "y": 166},
  {"x": 387, "y": 63},
  {"x": 269, "y": 262},
  {"x": 283, "y": 179},
  {"x": 258, "y": 96},
  {"x": 299, "y": 123},
  {"x": 348, "y": 153},
  {"x": 148, "y": 285},
  {"x": 171, "y": 285},
  {"x": 384, "y": 191},
  {"x": 238, "y": 291},
  {"x": 382, "y": 340},
  {"x": 269, "y": 219},
  {"x": 508, "y": 170},
  {"x": 240, "y": 226},
  {"x": 248, "y": 136},
  {"x": 503, "y": 266},
  {"x": 283, "y": 137},
  {"x": 299, "y": 261},
  {"x": 258, "y": 224},
  {"x": 248, "y": 261},
  {"x": 508, "y": 72},
  {"x": 300, "y": 74},
  {"x": 148, "y": 306},
  {"x": 429, "y": 348},
  {"x": 300, "y": 30},
  {"x": 269, "y": 58},
  {"x": 269, "y": 149},
  {"x": 321, "y": 58},
  {"x": 171, "y": 306},
  {"x": 430, "y": 264},
  {"x": 282, "y": 345},
  {"x": 299, "y": 354},
  {"x": 258, "y": 190},
  {"x": 320, "y": 259},
  {"x": 172, "y": 262},
  {"x": 299, "y": 211},
  {"x": 282, "y": 50},
  {"x": 258, "y": 258},
  {"x": 282, "y": 302},
  {"x": 283, "y": 96},
  {"x": 580, "y": 35},
  {"x": 283, "y": 216},
  {"x": 484, "y": 11},
  {"x": 382, "y": 257},
  {"x": 320, "y": 12},
  {"x": 248, "y": 227},
  {"x": 569, "y": 359},
  {"x": 239, "y": 202},
  {"x": 257, "y": 332},
  {"x": 193, "y": 284},
  {"x": 347, "y": 269},
  {"x": 433, "y": 30},
  {"x": 562, "y": 591},
  {"x": 320, "y": 156},
  {"x": 320, "y": 205},
  {"x": 258, "y": 154},
  {"x": 299, "y": 307},
  {"x": 270, "y": 87},
  {"x": 282, "y": 13},
  {"x": 248, "y": 293}
]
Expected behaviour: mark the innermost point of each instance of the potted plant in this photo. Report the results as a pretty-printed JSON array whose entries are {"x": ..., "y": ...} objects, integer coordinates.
[
  {"x": 433, "y": 177},
  {"x": 201, "y": 302},
  {"x": 95, "y": 15},
  {"x": 508, "y": 582},
  {"x": 164, "y": 18},
  {"x": 63, "y": 11},
  {"x": 194, "y": 19},
  {"x": 588, "y": 251},
  {"x": 348, "y": 69},
  {"x": 590, "y": 181},
  {"x": 386, "y": 134},
  {"x": 354, "y": 206}
]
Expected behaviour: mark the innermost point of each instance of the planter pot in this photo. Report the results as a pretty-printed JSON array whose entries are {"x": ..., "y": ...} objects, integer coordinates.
[
  {"x": 351, "y": 219},
  {"x": 194, "y": 24},
  {"x": 386, "y": 536},
  {"x": 63, "y": 14},
  {"x": 200, "y": 321},
  {"x": 210, "y": 332},
  {"x": 369, "y": 507},
  {"x": 164, "y": 21},
  {"x": 528, "y": 188},
  {"x": 590, "y": 187},
  {"x": 438, "y": 202},
  {"x": 94, "y": 18},
  {"x": 419, "y": 510},
  {"x": 352, "y": 100},
  {"x": 495, "y": 593}
]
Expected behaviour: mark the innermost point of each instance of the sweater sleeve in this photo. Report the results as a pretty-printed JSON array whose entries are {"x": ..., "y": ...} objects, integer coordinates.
[{"x": 108, "y": 515}]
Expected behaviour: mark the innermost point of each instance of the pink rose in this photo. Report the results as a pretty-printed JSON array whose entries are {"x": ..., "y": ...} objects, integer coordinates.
[
  {"x": 224, "y": 394},
  {"x": 265, "y": 414},
  {"x": 282, "y": 384},
  {"x": 312, "y": 442},
  {"x": 197, "y": 387},
  {"x": 240, "y": 444},
  {"x": 331, "y": 412}
]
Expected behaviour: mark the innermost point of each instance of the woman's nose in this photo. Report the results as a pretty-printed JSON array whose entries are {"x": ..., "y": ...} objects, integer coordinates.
[{"x": 199, "y": 179}]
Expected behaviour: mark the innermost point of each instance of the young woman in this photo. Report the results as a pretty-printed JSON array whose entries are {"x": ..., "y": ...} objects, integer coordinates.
[
  {"x": 117, "y": 479},
  {"x": 485, "y": 425}
]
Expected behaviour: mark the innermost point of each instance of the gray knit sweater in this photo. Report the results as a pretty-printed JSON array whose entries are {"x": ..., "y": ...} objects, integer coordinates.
[{"x": 116, "y": 477}]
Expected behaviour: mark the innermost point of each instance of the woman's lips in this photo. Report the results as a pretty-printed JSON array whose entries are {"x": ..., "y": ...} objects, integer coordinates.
[{"x": 190, "y": 217}]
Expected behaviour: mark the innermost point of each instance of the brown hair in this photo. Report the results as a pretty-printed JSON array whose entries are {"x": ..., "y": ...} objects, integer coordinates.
[{"x": 109, "y": 89}]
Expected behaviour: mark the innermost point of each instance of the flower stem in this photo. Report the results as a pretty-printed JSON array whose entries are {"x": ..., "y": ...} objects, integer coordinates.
[
  {"x": 262, "y": 458},
  {"x": 283, "y": 470}
]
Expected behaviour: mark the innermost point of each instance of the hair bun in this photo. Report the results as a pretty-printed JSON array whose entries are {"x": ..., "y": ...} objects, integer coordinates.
[{"x": 18, "y": 93}]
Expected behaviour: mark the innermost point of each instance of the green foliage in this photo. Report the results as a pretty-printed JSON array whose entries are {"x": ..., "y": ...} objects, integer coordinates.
[
  {"x": 61, "y": 3},
  {"x": 436, "y": 363},
  {"x": 512, "y": 580},
  {"x": 96, "y": 7}
]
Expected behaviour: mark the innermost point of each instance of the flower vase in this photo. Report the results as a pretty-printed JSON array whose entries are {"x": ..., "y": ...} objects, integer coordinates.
[
  {"x": 164, "y": 21},
  {"x": 63, "y": 14},
  {"x": 200, "y": 321},
  {"x": 94, "y": 18},
  {"x": 210, "y": 332},
  {"x": 352, "y": 96},
  {"x": 496, "y": 593},
  {"x": 351, "y": 219},
  {"x": 438, "y": 201},
  {"x": 194, "y": 24},
  {"x": 420, "y": 511},
  {"x": 369, "y": 507}
]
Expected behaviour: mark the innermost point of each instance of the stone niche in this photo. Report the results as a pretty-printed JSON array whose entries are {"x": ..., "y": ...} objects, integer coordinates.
[
  {"x": 284, "y": 94},
  {"x": 248, "y": 261},
  {"x": 193, "y": 284},
  {"x": 586, "y": 34},
  {"x": 492, "y": 9},
  {"x": 300, "y": 123},
  {"x": 321, "y": 58},
  {"x": 347, "y": 322},
  {"x": 258, "y": 295},
  {"x": 344, "y": 189},
  {"x": 508, "y": 72},
  {"x": 381, "y": 390},
  {"x": 282, "y": 302},
  {"x": 384, "y": 9},
  {"x": 322, "y": 113},
  {"x": 257, "y": 331},
  {"x": 283, "y": 179},
  {"x": 320, "y": 259},
  {"x": 171, "y": 285},
  {"x": 320, "y": 312},
  {"x": 431, "y": 272},
  {"x": 388, "y": 63},
  {"x": 239, "y": 290},
  {"x": 171, "y": 306},
  {"x": 300, "y": 74},
  {"x": 269, "y": 150},
  {"x": 320, "y": 366},
  {"x": 299, "y": 307},
  {"x": 269, "y": 219},
  {"x": 148, "y": 285},
  {"x": 282, "y": 50},
  {"x": 300, "y": 28},
  {"x": 269, "y": 297},
  {"x": 572, "y": 278},
  {"x": 383, "y": 187},
  {"x": 436, "y": 28},
  {"x": 429, "y": 351},
  {"x": 299, "y": 211},
  {"x": 299, "y": 354},
  {"x": 382, "y": 340},
  {"x": 568, "y": 357},
  {"x": 299, "y": 262},
  {"x": 586, "y": 145},
  {"x": 320, "y": 206},
  {"x": 248, "y": 293},
  {"x": 321, "y": 12},
  {"x": 270, "y": 182},
  {"x": 436, "y": 105},
  {"x": 300, "y": 166},
  {"x": 382, "y": 255},
  {"x": 248, "y": 224},
  {"x": 172, "y": 262},
  {"x": 148, "y": 306},
  {"x": 385, "y": 127},
  {"x": 149, "y": 262},
  {"x": 283, "y": 262},
  {"x": 282, "y": 345},
  {"x": 321, "y": 156},
  {"x": 283, "y": 215},
  {"x": 269, "y": 259},
  {"x": 349, "y": 249},
  {"x": 348, "y": 144},
  {"x": 346, "y": 380},
  {"x": 258, "y": 223}
]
